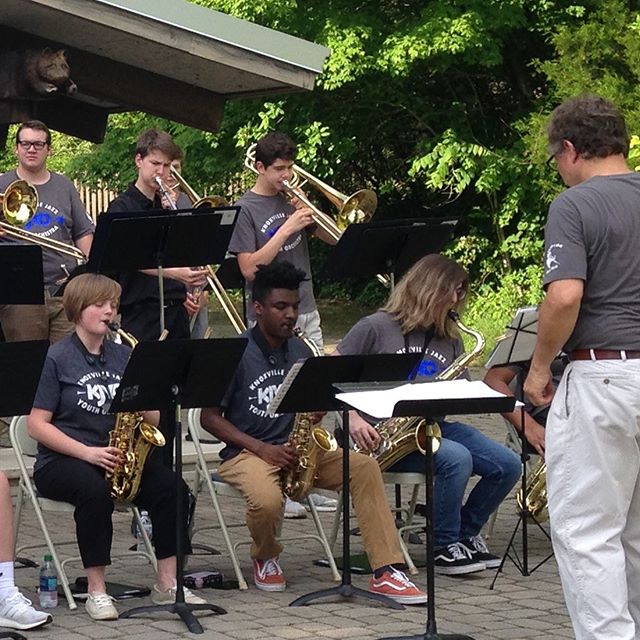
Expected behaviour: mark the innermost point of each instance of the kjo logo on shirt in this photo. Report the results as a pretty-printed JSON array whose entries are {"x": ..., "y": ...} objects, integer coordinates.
[
  {"x": 264, "y": 389},
  {"x": 97, "y": 391}
]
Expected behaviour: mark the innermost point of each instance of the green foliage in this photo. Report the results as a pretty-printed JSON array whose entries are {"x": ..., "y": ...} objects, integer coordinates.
[{"x": 439, "y": 107}]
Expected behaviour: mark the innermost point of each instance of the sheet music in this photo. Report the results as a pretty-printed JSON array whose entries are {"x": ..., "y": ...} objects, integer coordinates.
[
  {"x": 519, "y": 341},
  {"x": 272, "y": 409},
  {"x": 380, "y": 404}
]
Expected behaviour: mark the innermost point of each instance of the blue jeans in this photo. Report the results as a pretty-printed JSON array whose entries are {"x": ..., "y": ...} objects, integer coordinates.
[{"x": 465, "y": 451}]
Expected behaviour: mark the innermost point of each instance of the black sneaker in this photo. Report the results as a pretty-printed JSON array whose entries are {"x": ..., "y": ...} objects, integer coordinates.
[
  {"x": 478, "y": 550},
  {"x": 455, "y": 560}
]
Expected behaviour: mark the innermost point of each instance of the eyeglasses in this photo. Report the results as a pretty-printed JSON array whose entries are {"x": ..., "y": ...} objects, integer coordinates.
[
  {"x": 551, "y": 160},
  {"x": 38, "y": 145}
]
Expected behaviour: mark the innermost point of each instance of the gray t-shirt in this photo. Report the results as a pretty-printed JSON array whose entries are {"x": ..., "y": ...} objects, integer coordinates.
[
  {"x": 60, "y": 216},
  {"x": 78, "y": 388},
  {"x": 593, "y": 234},
  {"x": 256, "y": 380},
  {"x": 259, "y": 219},
  {"x": 381, "y": 333}
]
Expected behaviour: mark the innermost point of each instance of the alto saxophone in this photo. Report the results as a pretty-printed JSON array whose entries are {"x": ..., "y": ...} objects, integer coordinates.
[
  {"x": 401, "y": 436},
  {"x": 134, "y": 438},
  {"x": 310, "y": 444}
]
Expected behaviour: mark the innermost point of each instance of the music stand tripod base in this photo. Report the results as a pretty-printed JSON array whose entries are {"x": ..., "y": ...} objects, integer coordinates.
[{"x": 182, "y": 609}]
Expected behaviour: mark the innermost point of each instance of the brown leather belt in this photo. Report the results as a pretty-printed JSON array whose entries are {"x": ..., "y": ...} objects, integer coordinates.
[{"x": 603, "y": 354}]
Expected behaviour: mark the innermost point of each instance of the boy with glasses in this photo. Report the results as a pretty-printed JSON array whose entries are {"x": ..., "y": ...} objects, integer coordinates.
[{"x": 60, "y": 215}]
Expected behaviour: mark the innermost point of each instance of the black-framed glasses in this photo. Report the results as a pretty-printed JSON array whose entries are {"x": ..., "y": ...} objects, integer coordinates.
[
  {"x": 551, "y": 160},
  {"x": 38, "y": 145}
]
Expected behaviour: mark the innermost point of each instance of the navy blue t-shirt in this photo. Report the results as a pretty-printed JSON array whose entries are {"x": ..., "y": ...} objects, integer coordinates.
[
  {"x": 256, "y": 381},
  {"x": 78, "y": 388}
]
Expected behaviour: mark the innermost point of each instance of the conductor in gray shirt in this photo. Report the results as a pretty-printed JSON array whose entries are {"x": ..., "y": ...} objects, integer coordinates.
[{"x": 591, "y": 310}]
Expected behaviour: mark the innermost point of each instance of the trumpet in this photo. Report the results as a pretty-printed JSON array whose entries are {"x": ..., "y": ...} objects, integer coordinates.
[
  {"x": 19, "y": 204},
  {"x": 212, "y": 280},
  {"x": 354, "y": 209}
]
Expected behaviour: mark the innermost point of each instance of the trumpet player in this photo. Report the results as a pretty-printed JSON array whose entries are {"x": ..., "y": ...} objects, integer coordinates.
[
  {"x": 416, "y": 319},
  {"x": 69, "y": 420},
  {"x": 256, "y": 452},
  {"x": 272, "y": 228},
  {"x": 59, "y": 216}
]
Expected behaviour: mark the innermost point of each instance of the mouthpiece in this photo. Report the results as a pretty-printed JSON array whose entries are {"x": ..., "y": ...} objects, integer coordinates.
[
  {"x": 114, "y": 326},
  {"x": 453, "y": 315}
]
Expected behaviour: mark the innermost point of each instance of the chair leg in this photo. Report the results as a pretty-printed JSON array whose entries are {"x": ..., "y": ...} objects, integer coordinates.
[
  {"x": 324, "y": 541},
  {"x": 242, "y": 583}
]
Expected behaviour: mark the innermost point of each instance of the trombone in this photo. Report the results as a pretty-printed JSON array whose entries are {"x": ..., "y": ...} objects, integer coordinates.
[
  {"x": 19, "y": 203},
  {"x": 212, "y": 279},
  {"x": 354, "y": 209}
]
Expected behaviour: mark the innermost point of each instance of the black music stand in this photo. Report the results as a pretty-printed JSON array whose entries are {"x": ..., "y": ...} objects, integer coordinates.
[
  {"x": 171, "y": 375},
  {"x": 386, "y": 246},
  {"x": 20, "y": 368},
  {"x": 311, "y": 386},
  {"x": 130, "y": 241},
  {"x": 21, "y": 280},
  {"x": 517, "y": 349},
  {"x": 426, "y": 408}
]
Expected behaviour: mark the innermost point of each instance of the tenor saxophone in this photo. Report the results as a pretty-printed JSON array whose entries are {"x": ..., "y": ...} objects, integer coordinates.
[
  {"x": 536, "y": 503},
  {"x": 401, "y": 436},
  {"x": 310, "y": 444},
  {"x": 134, "y": 438}
]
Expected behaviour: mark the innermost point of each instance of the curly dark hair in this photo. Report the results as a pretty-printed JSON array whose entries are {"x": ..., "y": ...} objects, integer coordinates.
[
  {"x": 275, "y": 145},
  {"x": 594, "y": 126},
  {"x": 277, "y": 275}
]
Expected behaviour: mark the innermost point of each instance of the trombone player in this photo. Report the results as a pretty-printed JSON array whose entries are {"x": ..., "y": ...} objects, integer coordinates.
[
  {"x": 272, "y": 228},
  {"x": 59, "y": 216}
]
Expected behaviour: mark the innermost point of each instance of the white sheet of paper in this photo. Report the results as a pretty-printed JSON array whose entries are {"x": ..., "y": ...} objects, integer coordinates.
[{"x": 380, "y": 404}]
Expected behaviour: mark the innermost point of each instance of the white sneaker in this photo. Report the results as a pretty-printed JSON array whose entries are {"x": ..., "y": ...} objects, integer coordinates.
[
  {"x": 100, "y": 607},
  {"x": 322, "y": 503},
  {"x": 169, "y": 596},
  {"x": 16, "y": 612},
  {"x": 294, "y": 510}
]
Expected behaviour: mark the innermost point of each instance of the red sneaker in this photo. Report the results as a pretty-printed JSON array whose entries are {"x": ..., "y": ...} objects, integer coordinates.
[
  {"x": 395, "y": 585},
  {"x": 267, "y": 575}
]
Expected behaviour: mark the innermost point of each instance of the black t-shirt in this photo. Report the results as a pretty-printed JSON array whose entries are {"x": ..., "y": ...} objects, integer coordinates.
[
  {"x": 256, "y": 381},
  {"x": 140, "y": 288}
]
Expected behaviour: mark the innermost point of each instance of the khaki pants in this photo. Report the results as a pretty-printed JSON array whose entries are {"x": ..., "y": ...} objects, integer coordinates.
[
  {"x": 35, "y": 322},
  {"x": 259, "y": 482}
]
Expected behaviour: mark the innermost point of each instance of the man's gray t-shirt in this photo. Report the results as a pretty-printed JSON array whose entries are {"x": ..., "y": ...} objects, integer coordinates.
[
  {"x": 381, "y": 333},
  {"x": 255, "y": 382},
  {"x": 60, "y": 216},
  {"x": 593, "y": 234},
  {"x": 259, "y": 219},
  {"x": 78, "y": 390}
]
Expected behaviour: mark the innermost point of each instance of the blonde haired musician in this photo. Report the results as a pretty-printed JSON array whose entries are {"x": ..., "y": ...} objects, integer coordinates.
[{"x": 416, "y": 319}]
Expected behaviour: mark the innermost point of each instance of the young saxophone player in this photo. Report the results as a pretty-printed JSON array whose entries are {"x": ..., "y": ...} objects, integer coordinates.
[
  {"x": 256, "y": 453},
  {"x": 69, "y": 420},
  {"x": 416, "y": 318}
]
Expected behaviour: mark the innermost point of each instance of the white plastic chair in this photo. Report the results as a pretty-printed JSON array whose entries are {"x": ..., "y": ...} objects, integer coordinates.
[
  {"x": 219, "y": 489},
  {"x": 24, "y": 446}
]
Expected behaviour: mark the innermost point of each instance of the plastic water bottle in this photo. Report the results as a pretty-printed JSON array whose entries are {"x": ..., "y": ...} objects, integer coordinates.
[
  {"x": 148, "y": 527},
  {"x": 48, "y": 584}
]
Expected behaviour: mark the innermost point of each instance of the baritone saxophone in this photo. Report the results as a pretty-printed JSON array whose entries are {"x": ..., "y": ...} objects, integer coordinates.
[
  {"x": 310, "y": 443},
  {"x": 134, "y": 438}
]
